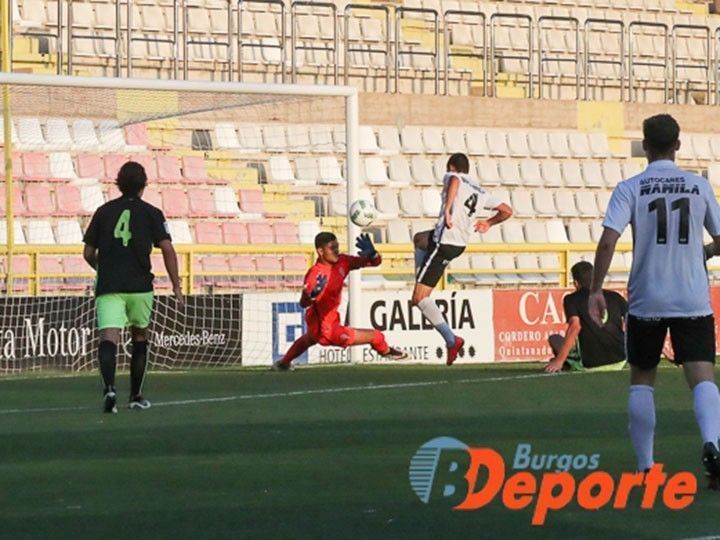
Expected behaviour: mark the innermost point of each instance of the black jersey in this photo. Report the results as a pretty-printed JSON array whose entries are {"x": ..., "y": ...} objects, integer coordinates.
[{"x": 124, "y": 232}]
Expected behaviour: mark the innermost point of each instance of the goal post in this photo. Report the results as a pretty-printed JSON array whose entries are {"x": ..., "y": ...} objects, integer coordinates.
[{"x": 129, "y": 102}]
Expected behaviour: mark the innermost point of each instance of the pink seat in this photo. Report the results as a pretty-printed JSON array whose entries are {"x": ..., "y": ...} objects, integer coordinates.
[
  {"x": 234, "y": 233},
  {"x": 69, "y": 202},
  {"x": 286, "y": 232},
  {"x": 251, "y": 201},
  {"x": 90, "y": 166},
  {"x": 148, "y": 163},
  {"x": 75, "y": 264},
  {"x": 241, "y": 264},
  {"x": 19, "y": 209},
  {"x": 36, "y": 167},
  {"x": 260, "y": 233},
  {"x": 113, "y": 192},
  {"x": 17, "y": 166},
  {"x": 175, "y": 203},
  {"x": 169, "y": 170},
  {"x": 295, "y": 267},
  {"x": 137, "y": 135},
  {"x": 50, "y": 265},
  {"x": 152, "y": 196},
  {"x": 158, "y": 268},
  {"x": 39, "y": 200},
  {"x": 202, "y": 203},
  {"x": 113, "y": 162},
  {"x": 269, "y": 263},
  {"x": 193, "y": 169},
  {"x": 21, "y": 273},
  {"x": 216, "y": 263},
  {"x": 207, "y": 232}
]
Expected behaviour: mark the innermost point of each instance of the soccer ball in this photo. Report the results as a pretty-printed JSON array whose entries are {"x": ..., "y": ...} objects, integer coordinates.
[{"x": 362, "y": 213}]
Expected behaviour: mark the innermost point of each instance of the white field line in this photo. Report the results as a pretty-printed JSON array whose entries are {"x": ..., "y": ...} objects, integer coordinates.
[{"x": 294, "y": 393}]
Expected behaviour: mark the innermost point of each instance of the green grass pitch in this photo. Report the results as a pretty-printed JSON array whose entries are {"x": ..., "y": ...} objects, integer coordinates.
[{"x": 319, "y": 453}]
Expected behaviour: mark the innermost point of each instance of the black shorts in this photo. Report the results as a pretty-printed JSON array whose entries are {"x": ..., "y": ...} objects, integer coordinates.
[
  {"x": 693, "y": 339},
  {"x": 438, "y": 257}
]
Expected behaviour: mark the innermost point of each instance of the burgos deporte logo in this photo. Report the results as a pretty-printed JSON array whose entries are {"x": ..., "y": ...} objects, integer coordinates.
[{"x": 449, "y": 471}]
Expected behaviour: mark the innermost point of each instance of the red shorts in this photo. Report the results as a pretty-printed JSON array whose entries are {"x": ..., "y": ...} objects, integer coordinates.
[{"x": 329, "y": 331}]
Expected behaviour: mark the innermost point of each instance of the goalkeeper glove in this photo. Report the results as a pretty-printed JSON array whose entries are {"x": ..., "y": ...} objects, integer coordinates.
[
  {"x": 319, "y": 286},
  {"x": 365, "y": 246}
]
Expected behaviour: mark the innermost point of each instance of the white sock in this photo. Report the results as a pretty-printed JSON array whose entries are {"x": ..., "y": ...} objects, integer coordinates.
[
  {"x": 429, "y": 308},
  {"x": 707, "y": 410},
  {"x": 641, "y": 408}
]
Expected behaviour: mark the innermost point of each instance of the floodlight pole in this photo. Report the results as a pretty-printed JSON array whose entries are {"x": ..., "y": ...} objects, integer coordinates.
[
  {"x": 7, "y": 130},
  {"x": 352, "y": 118}
]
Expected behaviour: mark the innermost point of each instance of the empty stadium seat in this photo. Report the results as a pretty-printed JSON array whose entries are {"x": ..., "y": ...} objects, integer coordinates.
[
  {"x": 578, "y": 232},
  {"x": 518, "y": 144},
  {"x": 91, "y": 197},
  {"x": 375, "y": 171},
  {"x": 529, "y": 267},
  {"x": 274, "y": 138},
  {"x": 512, "y": 232},
  {"x": 251, "y": 201},
  {"x": 433, "y": 142},
  {"x": 483, "y": 262},
  {"x": 412, "y": 142},
  {"x": 294, "y": 267},
  {"x": 477, "y": 142},
  {"x": 35, "y": 167},
  {"x": 321, "y": 140},
  {"x": 506, "y": 263},
  {"x": 488, "y": 172},
  {"x": 431, "y": 202},
  {"x": 389, "y": 139},
  {"x": 84, "y": 136},
  {"x": 587, "y": 204},
  {"x": 592, "y": 174},
  {"x": 69, "y": 202},
  {"x": 612, "y": 173},
  {"x": 530, "y": 174},
  {"x": 509, "y": 172},
  {"x": 193, "y": 170},
  {"x": 285, "y": 232},
  {"x": 386, "y": 202},
  {"x": 111, "y": 136},
  {"x": 544, "y": 203},
  {"x": 175, "y": 202},
  {"x": 281, "y": 172},
  {"x": 260, "y": 233},
  {"x": 558, "y": 143},
  {"x": 579, "y": 145},
  {"x": 368, "y": 143},
  {"x": 19, "y": 209},
  {"x": 556, "y": 232},
  {"x": 411, "y": 203},
  {"x": 57, "y": 134},
  {"x": 552, "y": 173},
  {"x": 234, "y": 233},
  {"x": 50, "y": 264},
  {"x": 272, "y": 266},
  {"x": 329, "y": 170},
  {"x": 62, "y": 166},
  {"x": 40, "y": 232},
  {"x": 225, "y": 201},
  {"x": 536, "y": 233},
  {"x": 150, "y": 195},
  {"x": 226, "y": 138},
  {"x": 30, "y": 134},
  {"x": 522, "y": 203},
  {"x": 455, "y": 141},
  {"x": 168, "y": 169},
  {"x": 18, "y": 232},
  {"x": 399, "y": 171},
  {"x": 422, "y": 171},
  {"x": 538, "y": 144},
  {"x": 39, "y": 200},
  {"x": 149, "y": 164},
  {"x": 599, "y": 147},
  {"x": 113, "y": 162},
  {"x": 298, "y": 138},
  {"x": 90, "y": 166},
  {"x": 398, "y": 232},
  {"x": 180, "y": 231},
  {"x": 207, "y": 232},
  {"x": 307, "y": 230}
]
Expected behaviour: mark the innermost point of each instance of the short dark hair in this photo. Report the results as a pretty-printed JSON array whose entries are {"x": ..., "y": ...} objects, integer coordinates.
[
  {"x": 324, "y": 238},
  {"x": 582, "y": 273},
  {"x": 661, "y": 133},
  {"x": 460, "y": 162},
  {"x": 131, "y": 179}
]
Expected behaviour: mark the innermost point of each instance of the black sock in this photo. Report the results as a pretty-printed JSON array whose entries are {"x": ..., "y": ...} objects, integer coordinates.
[
  {"x": 137, "y": 366},
  {"x": 107, "y": 350}
]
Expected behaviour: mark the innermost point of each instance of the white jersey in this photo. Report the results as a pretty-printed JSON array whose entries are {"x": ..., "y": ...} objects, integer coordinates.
[
  {"x": 469, "y": 200},
  {"x": 667, "y": 208}
]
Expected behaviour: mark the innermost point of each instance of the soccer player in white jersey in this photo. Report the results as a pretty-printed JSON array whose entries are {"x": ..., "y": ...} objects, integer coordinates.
[
  {"x": 462, "y": 198},
  {"x": 668, "y": 287}
]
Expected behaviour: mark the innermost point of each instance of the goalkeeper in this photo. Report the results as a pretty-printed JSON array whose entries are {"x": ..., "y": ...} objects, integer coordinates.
[
  {"x": 118, "y": 243},
  {"x": 321, "y": 297}
]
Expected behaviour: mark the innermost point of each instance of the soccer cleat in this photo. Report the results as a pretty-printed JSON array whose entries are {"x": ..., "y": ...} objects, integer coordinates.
[
  {"x": 395, "y": 354},
  {"x": 280, "y": 366},
  {"x": 452, "y": 352},
  {"x": 110, "y": 402},
  {"x": 139, "y": 402},
  {"x": 711, "y": 462}
]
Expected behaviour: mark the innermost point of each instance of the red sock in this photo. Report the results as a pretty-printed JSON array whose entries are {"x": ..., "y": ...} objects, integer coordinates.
[
  {"x": 378, "y": 342},
  {"x": 300, "y": 345}
]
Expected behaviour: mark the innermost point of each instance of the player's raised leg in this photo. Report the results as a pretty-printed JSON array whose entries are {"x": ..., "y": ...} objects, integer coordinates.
[
  {"x": 421, "y": 242},
  {"x": 299, "y": 346},
  {"x": 376, "y": 339}
]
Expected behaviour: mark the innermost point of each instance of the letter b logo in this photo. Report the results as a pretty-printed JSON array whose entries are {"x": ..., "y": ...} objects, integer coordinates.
[{"x": 438, "y": 469}]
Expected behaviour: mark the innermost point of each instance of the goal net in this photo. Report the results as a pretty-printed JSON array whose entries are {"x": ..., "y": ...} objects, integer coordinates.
[{"x": 245, "y": 175}]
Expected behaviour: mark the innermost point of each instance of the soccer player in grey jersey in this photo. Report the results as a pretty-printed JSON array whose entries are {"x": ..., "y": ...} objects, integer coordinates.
[{"x": 668, "y": 288}]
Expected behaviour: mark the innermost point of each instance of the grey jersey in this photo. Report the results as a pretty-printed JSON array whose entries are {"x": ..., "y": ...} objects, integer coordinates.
[
  {"x": 667, "y": 209},
  {"x": 469, "y": 200}
]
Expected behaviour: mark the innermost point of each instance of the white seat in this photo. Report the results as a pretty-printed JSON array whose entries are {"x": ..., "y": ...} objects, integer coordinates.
[
  {"x": 599, "y": 147},
  {"x": 612, "y": 173},
  {"x": 329, "y": 169},
  {"x": 274, "y": 138},
  {"x": 321, "y": 140},
  {"x": 421, "y": 225},
  {"x": 248, "y": 138},
  {"x": 512, "y": 232},
  {"x": 389, "y": 139},
  {"x": 18, "y": 233},
  {"x": 497, "y": 143},
  {"x": 552, "y": 173},
  {"x": 226, "y": 201},
  {"x": 298, "y": 138},
  {"x": 715, "y": 146},
  {"x": 631, "y": 168},
  {"x": 455, "y": 141},
  {"x": 307, "y": 230},
  {"x": 433, "y": 140},
  {"x": 544, "y": 203},
  {"x": 40, "y": 232},
  {"x": 618, "y": 271},
  {"x": 281, "y": 172},
  {"x": 596, "y": 230},
  {"x": 111, "y": 135},
  {"x": 30, "y": 133},
  {"x": 386, "y": 202},
  {"x": 180, "y": 231},
  {"x": 714, "y": 174},
  {"x": 506, "y": 262},
  {"x": 477, "y": 142},
  {"x": 398, "y": 232},
  {"x": 522, "y": 203},
  {"x": 556, "y": 232},
  {"x": 587, "y": 204},
  {"x": 538, "y": 144},
  {"x": 558, "y": 143},
  {"x": 550, "y": 261},
  {"x": 61, "y": 165},
  {"x": 422, "y": 171},
  {"x": 367, "y": 143},
  {"x": 226, "y": 138},
  {"x": 529, "y": 267},
  {"x": 483, "y": 261},
  {"x": 412, "y": 142},
  {"x": 518, "y": 144},
  {"x": 306, "y": 169},
  {"x": 375, "y": 171},
  {"x": 502, "y": 194},
  {"x": 91, "y": 197},
  {"x": 535, "y": 233},
  {"x": 84, "y": 136},
  {"x": 57, "y": 134},
  {"x": 579, "y": 144},
  {"x": 701, "y": 145},
  {"x": 492, "y": 236},
  {"x": 592, "y": 174},
  {"x": 578, "y": 232},
  {"x": 460, "y": 263},
  {"x": 530, "y": 173},
  {"x": 572, "y": 175},
  {"x": 337, "y": 203},
  {"x": 431, "y": 202},
  {"x": 13, "y": 130},
  {"x": 399, "y": 170},
  {"x": 565, "y": 204},
  {"x": 411, "y": 203},
  {"x": 488, "y": 172},
  {"x": 603, "y": 199},
  {"x": 67, "y": 231},
  {"x": 510, "y": 172}
]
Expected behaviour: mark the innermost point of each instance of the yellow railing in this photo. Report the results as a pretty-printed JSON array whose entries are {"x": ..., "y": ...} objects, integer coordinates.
[{"x": 392, "y": 253}]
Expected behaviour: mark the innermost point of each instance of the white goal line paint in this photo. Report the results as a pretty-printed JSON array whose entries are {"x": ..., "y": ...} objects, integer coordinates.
[{"x": 294, "y": 393}]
